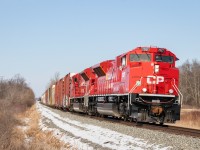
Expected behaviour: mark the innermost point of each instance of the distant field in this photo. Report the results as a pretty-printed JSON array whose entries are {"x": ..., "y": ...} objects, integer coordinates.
[{"x": 190, "y": 118}]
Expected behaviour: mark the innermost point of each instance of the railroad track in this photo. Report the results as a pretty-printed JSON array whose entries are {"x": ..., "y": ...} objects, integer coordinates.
[
  {"x": 163, "y": 128},
  {"x": 184, "y": 131}
]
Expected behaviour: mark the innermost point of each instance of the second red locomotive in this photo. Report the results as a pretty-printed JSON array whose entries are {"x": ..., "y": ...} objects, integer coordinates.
[{"x": 140, "y": 85}]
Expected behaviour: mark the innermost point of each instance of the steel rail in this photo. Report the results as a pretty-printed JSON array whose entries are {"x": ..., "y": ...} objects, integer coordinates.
[{"x": 195, "y": 133}]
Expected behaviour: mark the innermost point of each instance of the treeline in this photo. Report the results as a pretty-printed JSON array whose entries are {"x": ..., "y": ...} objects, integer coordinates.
[
  {"x": 15, "y": 97},
  {"x": 190, "y": 82}
]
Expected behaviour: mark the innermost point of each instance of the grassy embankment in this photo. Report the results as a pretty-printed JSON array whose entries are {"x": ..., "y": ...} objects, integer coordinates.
[{"x": 19, "y": 128}]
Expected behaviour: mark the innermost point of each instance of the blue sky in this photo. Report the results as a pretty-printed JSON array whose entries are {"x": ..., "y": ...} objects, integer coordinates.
[{"x": 41, "y": 37}]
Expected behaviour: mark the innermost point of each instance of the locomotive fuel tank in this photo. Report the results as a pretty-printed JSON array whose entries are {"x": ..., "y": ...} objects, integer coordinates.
[
  {"x": 109, "y": 109},
  {"x": 108, "y": 106}
]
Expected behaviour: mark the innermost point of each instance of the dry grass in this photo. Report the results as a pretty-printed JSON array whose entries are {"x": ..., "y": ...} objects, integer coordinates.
[
  {"x": 40, "y": 140},
  {"x": 15, "y": 97},
  {"x": 10, "y": 138},
  {"x": 190, "y": 118},
  {"x": 186, "y": 107},
  {"x": 24, "y": 133},
  {"x": 17, "y": 139},
  {"x": 21, "y": 131}
]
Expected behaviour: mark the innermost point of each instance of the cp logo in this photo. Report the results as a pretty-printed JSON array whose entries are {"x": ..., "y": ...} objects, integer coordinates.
[{"x": 155, "y": 79}]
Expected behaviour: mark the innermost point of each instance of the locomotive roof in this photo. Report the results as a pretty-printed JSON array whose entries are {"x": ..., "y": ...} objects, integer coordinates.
[
  {"x": 102, "y": 63},
  {"x": 149, "y": 50}
]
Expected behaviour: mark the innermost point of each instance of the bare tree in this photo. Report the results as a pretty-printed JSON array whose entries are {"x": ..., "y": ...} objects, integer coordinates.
[
  {"x": 190, "y": 82},
  {"x": 54, "y": 79}
]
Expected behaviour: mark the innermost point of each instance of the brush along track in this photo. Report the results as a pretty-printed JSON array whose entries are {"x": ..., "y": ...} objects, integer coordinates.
[{"x": 163, "y": 128}]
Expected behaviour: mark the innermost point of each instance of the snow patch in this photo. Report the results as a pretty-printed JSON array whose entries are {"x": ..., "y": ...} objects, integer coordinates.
[{"x": 95, "y": 134}]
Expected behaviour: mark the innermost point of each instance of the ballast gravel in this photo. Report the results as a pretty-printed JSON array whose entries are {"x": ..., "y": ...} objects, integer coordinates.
[{"x": 164, "y": 140}]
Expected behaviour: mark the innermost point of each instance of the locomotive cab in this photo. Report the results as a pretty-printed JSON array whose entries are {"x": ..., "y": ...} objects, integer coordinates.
[{"x": 153, "y": 87}]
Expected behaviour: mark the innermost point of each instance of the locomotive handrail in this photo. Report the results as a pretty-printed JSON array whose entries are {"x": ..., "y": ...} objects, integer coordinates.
[
  {"x": 133, "y": 88},
  {"x": 136, "y": 85},
  {"x": 178, "y": 91}
]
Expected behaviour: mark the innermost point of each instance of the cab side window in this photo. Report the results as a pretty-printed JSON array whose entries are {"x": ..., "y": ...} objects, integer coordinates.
[
  {"x": 140, "y": 57},
  {"x": 123, "y": 61}
]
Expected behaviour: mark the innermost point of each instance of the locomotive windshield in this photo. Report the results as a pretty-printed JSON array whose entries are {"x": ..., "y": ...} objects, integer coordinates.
[
  {"x": 160, "y": 58},
  {"x": 140, "y": 57}
]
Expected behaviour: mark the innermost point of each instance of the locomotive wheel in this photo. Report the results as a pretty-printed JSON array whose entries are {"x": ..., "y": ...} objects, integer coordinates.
[
  {"x": 125, "y": 118},
  {"x": 135, "y": 120},
  {"x": 162, "y": 120},
  {"x": 89, "y": 113}
]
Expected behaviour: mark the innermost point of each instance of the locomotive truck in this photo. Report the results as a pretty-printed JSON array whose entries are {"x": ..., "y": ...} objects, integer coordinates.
[{"x": 140, "y": 85}]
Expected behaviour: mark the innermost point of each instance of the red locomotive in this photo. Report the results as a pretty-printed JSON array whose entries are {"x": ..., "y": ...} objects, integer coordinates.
[{"x": 140, "y": 85}]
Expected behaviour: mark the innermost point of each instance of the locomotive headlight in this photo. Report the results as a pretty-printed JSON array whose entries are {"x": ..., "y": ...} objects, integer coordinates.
[
  {"x": 144, "y": 90},
  {"x": 156, "y": 68},
  {"x": 171, "y": 91}
]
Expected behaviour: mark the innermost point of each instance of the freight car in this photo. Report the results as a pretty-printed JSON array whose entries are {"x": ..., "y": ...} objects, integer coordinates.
[{"x": 140, "y": 85}]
